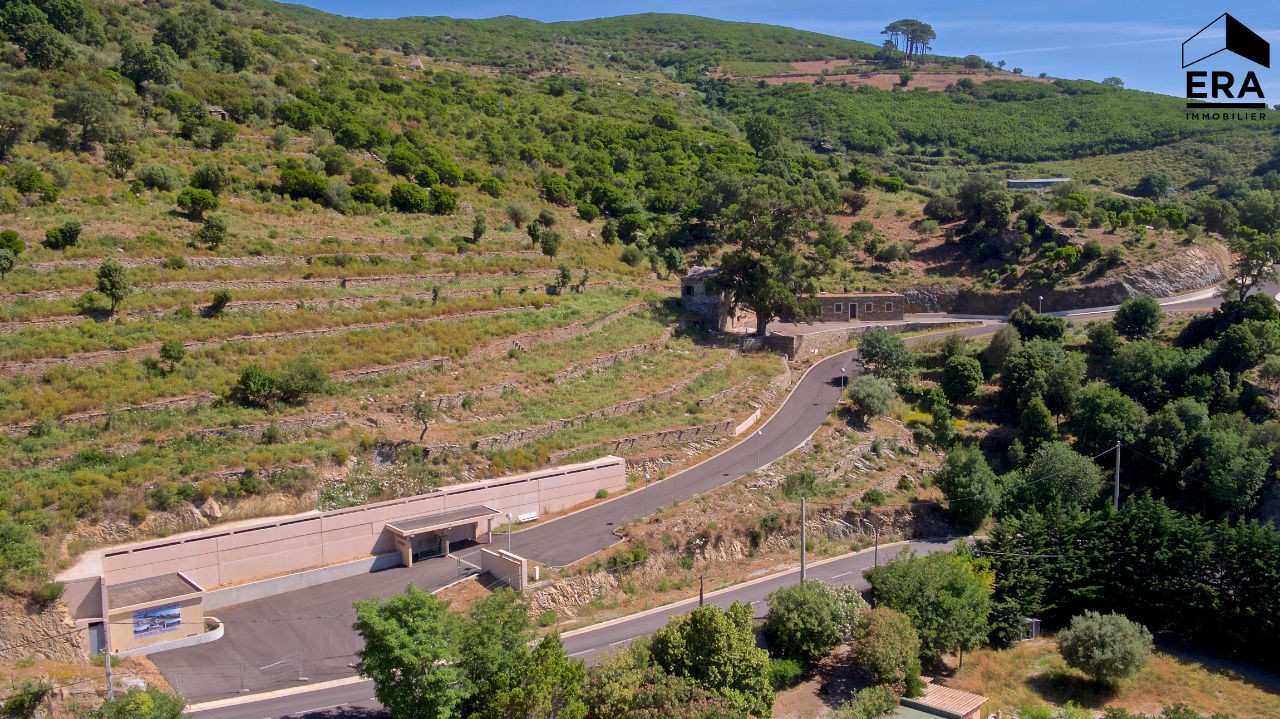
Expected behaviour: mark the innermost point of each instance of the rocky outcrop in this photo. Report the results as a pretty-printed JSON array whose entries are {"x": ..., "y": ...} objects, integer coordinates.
[
  {"x": 27, "y": 630},
  {"x": 1193, "y": 268}
]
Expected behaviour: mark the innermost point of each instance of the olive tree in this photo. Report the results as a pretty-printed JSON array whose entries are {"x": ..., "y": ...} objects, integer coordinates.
[{"x": 1107, "y": 647}]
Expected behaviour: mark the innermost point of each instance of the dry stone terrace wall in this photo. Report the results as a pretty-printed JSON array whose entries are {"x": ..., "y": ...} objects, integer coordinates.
[
  {"x": 516, "y": 438},
  {"x": 653, "y": 440},
  {"x": 281, "y": 260},
  {"x": 335, "y": 282}
]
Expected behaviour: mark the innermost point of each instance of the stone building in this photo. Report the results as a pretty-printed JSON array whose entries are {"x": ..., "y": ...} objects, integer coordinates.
[{"x": 862, "y": 307}]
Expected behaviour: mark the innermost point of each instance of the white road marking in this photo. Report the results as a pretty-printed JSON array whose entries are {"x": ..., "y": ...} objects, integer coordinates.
[
  {"x": 842, "y": 575},
  {"x": 622, "y": 641}
]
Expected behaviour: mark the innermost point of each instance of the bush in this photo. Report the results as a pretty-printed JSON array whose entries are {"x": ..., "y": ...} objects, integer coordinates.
[
  {"x": 874, "y": 497},
  {"x": 25, "y": 698},
  {"x": 159, "y": 177},
  {"x": 150, "y": 703},
  {"x": 213, "y": 232},
  {"x": 63, "y": 236},
  {"x": 195, "y": 202},
  {"x": 211, "y": 176},
  {"x": 887, "y": 649},
  {"x": 47, "y": 593},
  {"x": 869, "y": 703},
  {"x": 784, "y": 673},
  {"x": 444, "y": 200},
  {"x": 869, "y": 396},
  {"x": 10, "y": 241},
  {"x": 588, "y": 212},
  {"x": 518, "y": 214},
  {"x": 408, "y": 197},
  {"x": 492, "y": 187},
  {"x": 961, "y": 378},
  {"x": 807, "y": 620},
  {"x": 1107, "y": 647},
  {"x": 1138, "y": 317},
  {"x": 632, "y": 255},
  {"x": 219, "y": 303}
]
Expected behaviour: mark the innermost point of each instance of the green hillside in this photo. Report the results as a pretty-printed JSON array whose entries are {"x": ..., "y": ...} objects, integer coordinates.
[{"x": 246, "y": 240}]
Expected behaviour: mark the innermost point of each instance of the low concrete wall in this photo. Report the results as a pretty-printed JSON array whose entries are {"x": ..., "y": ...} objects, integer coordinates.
[
  {"x": 218, "y": 557},
  {"x": 511, "y": 569},
  {"x": 252, "y": 591},
  {"x": 824, "y": 341},
  {"x": 746, "y": 424}
]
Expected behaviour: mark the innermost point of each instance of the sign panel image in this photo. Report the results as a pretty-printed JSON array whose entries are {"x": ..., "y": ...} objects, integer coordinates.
[{"x": 156, "y": 620}]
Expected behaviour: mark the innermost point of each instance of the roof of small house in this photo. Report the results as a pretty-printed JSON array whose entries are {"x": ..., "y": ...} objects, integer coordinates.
[
  {"x": 150, "y": 590},
  {"x": 945, "y": 701},
  {"x": 698, "y": 273}
]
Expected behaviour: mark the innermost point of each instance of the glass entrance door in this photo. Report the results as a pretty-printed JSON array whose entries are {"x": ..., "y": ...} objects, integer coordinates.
[{"x": 427, "y": 546}]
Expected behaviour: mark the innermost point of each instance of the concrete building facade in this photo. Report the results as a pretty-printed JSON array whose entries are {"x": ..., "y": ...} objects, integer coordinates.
[{"x": 861, "y": 307}]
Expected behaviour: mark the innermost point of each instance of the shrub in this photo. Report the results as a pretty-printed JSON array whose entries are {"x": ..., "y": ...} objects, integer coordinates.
[
  {"x": 961, "y": 378},
  {"x": 518, "y": 214},
  {"x": 1107, "y": 647},
  {"x": 550, "y": 241},
  {"x": 7, "y": 262},
  {"x": 159, "y": 177},
  {"x": 408, "y": 197},
  {"x": 10, "y": 241},
  {"x": 632, "y": 255},
  {"x": 492, "y": 187},
  {"x": 784, "y": 673},
  {"x": 444, "y": 200},
  {"x": 25, "y": 698},
  {"x": 211, "y": 176},
  {"x": 807, "y": 620},
  {"x": 47, "y": 593},
  {"x": 942, "y": 209},
  {"x": 853, "y": 201},
  {"x": 874, "y": 497},
  {"x": 869, "y": 396},
  {"x": 150, "y": 703},
  {"x": 213, "y": 232},
  {"x": 63, "y": 236},
  {"x": 1138, "y": 317},
  {"x": 887, "y": 649},
  {"x": 174, "y": 262},
  {"x": 219, "y": 303},
  {"x": 195, "y": 202}
]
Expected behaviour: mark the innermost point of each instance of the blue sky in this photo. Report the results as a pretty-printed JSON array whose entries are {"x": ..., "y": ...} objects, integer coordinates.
[{"x": 1137, "y": 41}]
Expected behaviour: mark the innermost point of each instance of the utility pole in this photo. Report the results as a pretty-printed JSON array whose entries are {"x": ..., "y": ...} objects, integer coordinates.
[
  {"x": 877, "y": 551},
  {"x": 803, "y": 540},
  {"x": 1116, "y": 500},
  {"x": 700, "y": 596}
]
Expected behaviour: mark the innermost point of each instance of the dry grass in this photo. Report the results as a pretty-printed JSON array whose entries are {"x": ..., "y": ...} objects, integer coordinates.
[{"x": 1033, "y": 673}]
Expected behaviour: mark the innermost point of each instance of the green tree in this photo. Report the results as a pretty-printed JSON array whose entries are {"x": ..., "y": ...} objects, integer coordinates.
[
  {"x": 195, "y": 202},
  {"x": 869, "y": 703},
  {"x": 120, "y": 158},
  {"x": 1256, "y": 257},
  {"x": 548, "y": 684},
  {"x": 563, "y": 277},
  {"x": 149, "y": 703},
  {"x": 625, "y": 685},
  {"x": 88, "y": 105},
  {"x": 141, "y": 62},
  {"x": 763, "y": 268},
  {"x": 172, "y": 352},
  {"x": 961, "y": 378},
  {"x": 212, "y": 232},
  {"x": 1031, "y": 324},
  {"x": 716, "y": 649},
  {"x": 16, "y": 124},
  {"x": 300, "y": 378},
  {"x": 969, "y": 484},
  {"x": 1104, "y": 415},
  {"x": 1138, "y": 317},
  {"x": 869, "y": 396},
  {"x": 1004, "y": 343},
  {"x": 425, "y": 413},
  {"x": 477, "y": 227},
  {"x": 113, "y": 282},
  {"x": 1225, "y": 474},
  {"x": 255, "y": 386},
  {"x": 887, "y": 649},
  {"x": 945, "y": 596},
  {"x": 1058, "y": 474},
  {"x": 493, "y": 648},
  {"x": 211, "y": 176},
  {"x": 408, "y": 654},
  {"x": 7, "y": 262},
  {"x": 408, "y": 197},
  {"x": 550, "y": 241},
  {"x": 807, "y": 620},
  {"x": 1036, "y": 424},
  {"x": 218, "y": 304},
  {"x": 1107, "y": 647},
  {"x": 886, "y": 354}
]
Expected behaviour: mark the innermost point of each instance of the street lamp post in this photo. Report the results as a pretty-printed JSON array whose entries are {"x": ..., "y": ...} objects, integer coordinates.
[
  {"x": 508, "y": 532},
  {"x": 759, "y": 441},
  {"x": 1041, "y": 304},
  {"x": 843, "y": 380}
]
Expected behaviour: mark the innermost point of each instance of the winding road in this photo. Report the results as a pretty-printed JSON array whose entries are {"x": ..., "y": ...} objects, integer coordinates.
[{"x": 315, "y": 623}]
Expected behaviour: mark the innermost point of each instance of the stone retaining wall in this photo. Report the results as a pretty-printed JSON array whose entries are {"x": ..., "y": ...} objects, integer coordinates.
[{"x": 652, "y": 440}]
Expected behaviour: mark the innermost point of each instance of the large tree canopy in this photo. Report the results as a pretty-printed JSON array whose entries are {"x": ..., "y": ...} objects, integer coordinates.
[{"x": 765, "y": 270}]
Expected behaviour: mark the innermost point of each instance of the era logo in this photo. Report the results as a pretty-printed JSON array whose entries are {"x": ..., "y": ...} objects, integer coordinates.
[
  {"x": 1225, "y": 34},
  {"x": 1222, "y": 84}
]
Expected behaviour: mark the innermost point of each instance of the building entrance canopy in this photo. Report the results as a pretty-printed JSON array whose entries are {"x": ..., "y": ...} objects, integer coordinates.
[{"x": 409, "y": 528}]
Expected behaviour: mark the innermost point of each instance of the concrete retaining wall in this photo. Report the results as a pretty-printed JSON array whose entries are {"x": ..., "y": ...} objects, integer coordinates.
[
  {"x": 218, "y": 557},
  {"x": 241, "y": 593},
  {"x": 511, "y": 569},
  {"x": 827, "y": 340}
]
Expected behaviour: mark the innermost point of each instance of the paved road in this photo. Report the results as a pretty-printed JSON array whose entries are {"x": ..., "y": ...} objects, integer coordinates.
[
  {"x": 314, "y": 625},
  {"x": 356, "y": 699}
]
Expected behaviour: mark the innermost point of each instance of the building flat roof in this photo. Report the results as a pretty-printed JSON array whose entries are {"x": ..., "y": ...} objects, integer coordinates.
[
  {"x": 441, "y": 520},
  {"x": 150, "y": 590}
]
